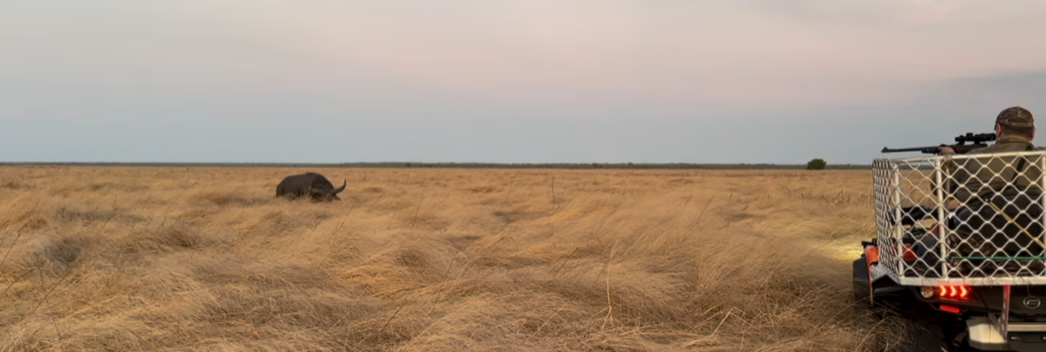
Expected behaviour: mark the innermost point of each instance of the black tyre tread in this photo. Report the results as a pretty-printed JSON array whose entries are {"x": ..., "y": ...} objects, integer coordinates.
[{"x": 860, "y": 284}]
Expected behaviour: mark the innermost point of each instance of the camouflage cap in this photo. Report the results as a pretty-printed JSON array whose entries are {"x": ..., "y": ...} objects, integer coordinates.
[{"x": 1015, "y": 116}]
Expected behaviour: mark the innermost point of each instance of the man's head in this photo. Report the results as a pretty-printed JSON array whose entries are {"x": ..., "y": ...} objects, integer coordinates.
[{"x": 1015, "y": 121}]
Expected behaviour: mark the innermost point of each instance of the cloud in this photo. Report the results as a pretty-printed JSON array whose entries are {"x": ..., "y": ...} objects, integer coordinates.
[
  {"x": 901, "y": 12},
  {"x": 532, "y": 52}
]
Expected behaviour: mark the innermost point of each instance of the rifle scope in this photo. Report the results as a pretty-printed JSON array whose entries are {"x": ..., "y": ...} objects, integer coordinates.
[{"x": 975, "y": 138}]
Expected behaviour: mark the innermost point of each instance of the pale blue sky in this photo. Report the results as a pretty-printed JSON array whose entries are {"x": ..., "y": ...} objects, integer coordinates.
[{"x": 508, "y": 81}]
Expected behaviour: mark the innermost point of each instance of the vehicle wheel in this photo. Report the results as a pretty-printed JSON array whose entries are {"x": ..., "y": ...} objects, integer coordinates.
[
  {"x": 860, "y": 285},
  {"x": 912, "y": 338},
  {"x": 954, "y": 328},
  {"x": 929, "y": 338},
  {"x": 934, "y": 331}
]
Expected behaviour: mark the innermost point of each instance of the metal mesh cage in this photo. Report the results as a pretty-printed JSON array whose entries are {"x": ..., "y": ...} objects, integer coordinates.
[{"x": 975, "y": 219}]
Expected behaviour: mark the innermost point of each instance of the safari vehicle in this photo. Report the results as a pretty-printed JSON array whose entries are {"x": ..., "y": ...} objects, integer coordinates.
[{"x": 977, "y": 273}]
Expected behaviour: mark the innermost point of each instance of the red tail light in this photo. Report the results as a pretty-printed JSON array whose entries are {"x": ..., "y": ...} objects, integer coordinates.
[
  {"x": 957, "y": 292},
  {"x": 950, "y": 309}
]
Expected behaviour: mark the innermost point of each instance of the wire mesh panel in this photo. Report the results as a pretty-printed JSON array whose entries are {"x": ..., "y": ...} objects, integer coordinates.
[{"x": 975, "y": 219}]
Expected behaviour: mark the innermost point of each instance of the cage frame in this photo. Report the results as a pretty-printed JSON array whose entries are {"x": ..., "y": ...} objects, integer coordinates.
[{"x": 890, "y": 196}]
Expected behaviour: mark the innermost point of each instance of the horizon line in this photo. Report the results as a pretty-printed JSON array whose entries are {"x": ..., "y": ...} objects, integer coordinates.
[{"x": 410, "y": 164}]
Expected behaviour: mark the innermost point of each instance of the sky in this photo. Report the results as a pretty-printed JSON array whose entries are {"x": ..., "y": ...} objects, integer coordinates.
[{"x": 711, "y": 81}]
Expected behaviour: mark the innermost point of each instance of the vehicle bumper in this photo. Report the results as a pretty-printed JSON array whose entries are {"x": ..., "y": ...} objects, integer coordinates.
[{"x": 1021, "y": 336}]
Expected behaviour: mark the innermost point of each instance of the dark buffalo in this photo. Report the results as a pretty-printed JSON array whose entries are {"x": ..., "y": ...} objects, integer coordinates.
[{"x": 309, "y": 184}]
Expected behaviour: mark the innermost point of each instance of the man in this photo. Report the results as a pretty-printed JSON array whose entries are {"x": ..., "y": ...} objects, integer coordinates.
[
  {"x": 1014, "y": 132},
  {"x": 998, "y": 195}
]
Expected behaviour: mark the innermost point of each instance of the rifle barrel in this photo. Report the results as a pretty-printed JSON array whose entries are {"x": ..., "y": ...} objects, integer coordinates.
[
  {"x": 901, "y": 150},
  {"x": 977, "y": 141}
]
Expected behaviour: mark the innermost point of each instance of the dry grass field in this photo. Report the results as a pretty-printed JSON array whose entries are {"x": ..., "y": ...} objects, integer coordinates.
[{"x": 207, "y": 259}]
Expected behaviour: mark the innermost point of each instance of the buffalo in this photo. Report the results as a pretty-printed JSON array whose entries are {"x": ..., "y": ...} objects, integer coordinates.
[{"x": 309, "y": 184}]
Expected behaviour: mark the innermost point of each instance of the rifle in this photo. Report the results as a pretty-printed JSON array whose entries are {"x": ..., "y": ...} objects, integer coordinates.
[{"x": 960, "y": 145}]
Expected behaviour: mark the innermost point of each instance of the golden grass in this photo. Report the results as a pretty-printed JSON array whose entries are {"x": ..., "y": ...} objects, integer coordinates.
[{"x": 207, "y": 259}]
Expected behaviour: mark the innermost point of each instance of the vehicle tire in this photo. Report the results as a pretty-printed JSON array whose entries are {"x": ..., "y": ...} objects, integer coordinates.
[
  {"x": 935, "y": 331},
  {"x": 912, "y": 338},
  {"x": 929, "y": 338},
  {"x": 951, "y": 329},
  {"x": 860, "y": 284}
]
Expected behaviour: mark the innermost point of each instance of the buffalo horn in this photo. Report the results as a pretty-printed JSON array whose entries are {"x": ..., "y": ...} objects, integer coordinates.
[{"x": 342, "y": 188}]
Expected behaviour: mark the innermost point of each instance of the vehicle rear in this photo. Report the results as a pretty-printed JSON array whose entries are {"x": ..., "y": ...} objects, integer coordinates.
[
  {"x": 980, "y": 309},
  {"x": 980, "y": 263}
]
